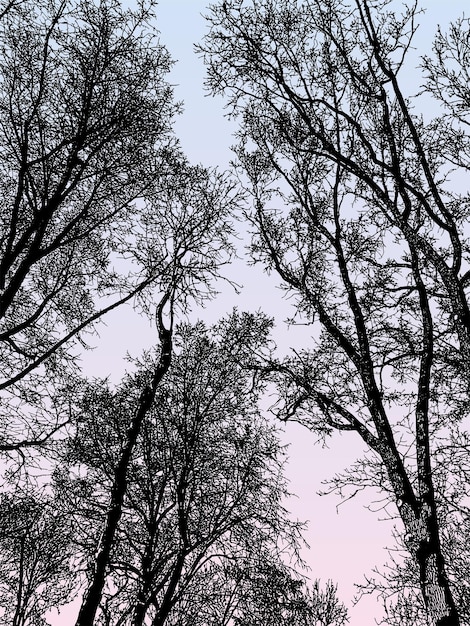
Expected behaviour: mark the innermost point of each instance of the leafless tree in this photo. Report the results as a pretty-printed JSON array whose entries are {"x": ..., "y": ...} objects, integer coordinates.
[
  {"x": 203, "y": 526},
  {"x": 357, "y": 209},
  {"x": 186, "y": 243},
  {"x": 36, "y": 570},
  {"x": 85, "y": 132},
  {"x": 100, "y": 208},
  {"x": 92, "y": 178}
]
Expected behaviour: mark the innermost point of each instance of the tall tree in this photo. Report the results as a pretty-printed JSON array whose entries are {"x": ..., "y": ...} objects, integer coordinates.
[
  {"x": 203, "y": 523},
  {"x": 36, "y": 570},
  {"x": 85, "y": 131},
  {"x": 93, "y": 181},
  {"x": 357, "y": 210},
  {"x": 101, "y": 208},
  {"x": 183, "y": 237}
]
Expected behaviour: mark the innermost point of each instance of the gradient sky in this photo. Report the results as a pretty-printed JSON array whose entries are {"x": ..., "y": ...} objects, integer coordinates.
[{"x": 345, "y": 543}]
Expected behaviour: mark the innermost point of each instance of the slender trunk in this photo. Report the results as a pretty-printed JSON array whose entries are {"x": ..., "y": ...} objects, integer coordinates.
[
  {"x": 141, "y": 605},
  {"x": 19, "y": 612},
  {"x": 94, "y": 592},
  {"x": 92, "y": 597},
  {"x": 140, "y": 609},
  {"x": 168, "y": 599}
]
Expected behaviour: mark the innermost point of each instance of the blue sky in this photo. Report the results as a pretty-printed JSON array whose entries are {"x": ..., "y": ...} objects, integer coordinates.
[{"x": 345, "y": 543}]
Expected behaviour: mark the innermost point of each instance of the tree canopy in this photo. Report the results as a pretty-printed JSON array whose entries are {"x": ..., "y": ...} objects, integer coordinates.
[
  {"x": 161, "y": 499},
  {"x": 161, "y": 496},
  {"x": 356, "y": 208}
]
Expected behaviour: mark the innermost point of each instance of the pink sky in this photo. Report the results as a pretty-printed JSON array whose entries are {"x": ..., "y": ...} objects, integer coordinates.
[{"x": 346, "y": 543}]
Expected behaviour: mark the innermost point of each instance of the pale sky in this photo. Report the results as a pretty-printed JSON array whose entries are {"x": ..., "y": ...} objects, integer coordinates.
[{"x": 346, "y": 543}]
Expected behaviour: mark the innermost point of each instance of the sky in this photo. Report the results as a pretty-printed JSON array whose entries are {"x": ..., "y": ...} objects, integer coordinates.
[{"x": 346, "y": 541}]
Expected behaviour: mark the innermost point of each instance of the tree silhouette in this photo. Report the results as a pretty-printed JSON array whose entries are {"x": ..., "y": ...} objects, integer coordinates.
[{"x": 355, "y": 208}]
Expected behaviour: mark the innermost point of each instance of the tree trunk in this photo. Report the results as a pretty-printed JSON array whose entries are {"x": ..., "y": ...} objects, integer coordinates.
[
  {"x": 94, "y": 592},
  {"x": 422, "y": 542},
  {"x": 168, "y": 599},
  {"x": 142, "y": 603},
  {"x": 440, "y": 605},
  {"x": 419, "y": 517}
]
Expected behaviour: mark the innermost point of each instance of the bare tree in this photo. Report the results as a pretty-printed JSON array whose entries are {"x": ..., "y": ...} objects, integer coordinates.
[
  {"x": 257, "y": 589},
  {"x": 92, "y": 180},
  {"x": 203, "y": 526},
  {"x": 85, "y": 131},
  {"x": 184, "y": 246},
  {"x": 356, "y": 209},
  {"x": 264, "y": 591},
  {"x": 36, "y": 567}
]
